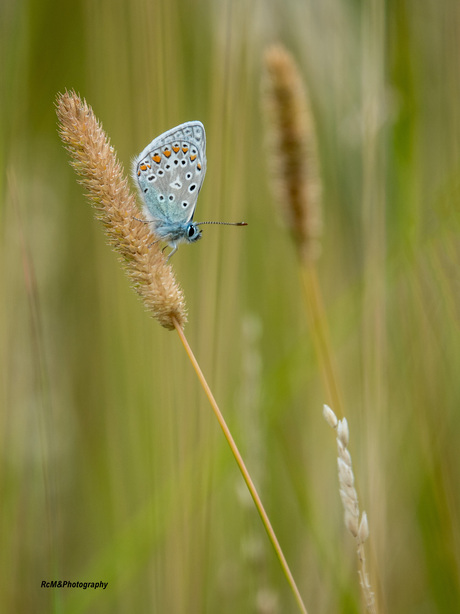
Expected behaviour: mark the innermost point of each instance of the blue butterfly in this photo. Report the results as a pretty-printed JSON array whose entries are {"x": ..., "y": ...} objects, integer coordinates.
[{"x": 170, "y": 173}]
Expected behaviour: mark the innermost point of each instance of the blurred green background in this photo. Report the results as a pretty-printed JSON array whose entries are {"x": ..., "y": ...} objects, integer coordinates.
[{"x": 113, "y": 467}]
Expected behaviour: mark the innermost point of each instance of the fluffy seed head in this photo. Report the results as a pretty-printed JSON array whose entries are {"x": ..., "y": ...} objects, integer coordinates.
[{"x": 95, "y": 162}]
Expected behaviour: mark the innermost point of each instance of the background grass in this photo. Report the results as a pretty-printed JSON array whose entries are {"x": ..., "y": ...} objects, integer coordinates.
[{"x": 112, "y": 466}]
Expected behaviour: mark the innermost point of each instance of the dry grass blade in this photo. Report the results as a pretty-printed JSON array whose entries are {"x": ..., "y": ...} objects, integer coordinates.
[{"x": 102, "y": 175}]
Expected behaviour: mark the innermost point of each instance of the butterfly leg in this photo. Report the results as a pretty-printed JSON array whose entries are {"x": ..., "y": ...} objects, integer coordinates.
[{"x": 174, "y": 250}]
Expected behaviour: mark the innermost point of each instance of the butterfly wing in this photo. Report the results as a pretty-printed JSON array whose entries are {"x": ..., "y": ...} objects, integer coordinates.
[{"x": 170, "y": 172}]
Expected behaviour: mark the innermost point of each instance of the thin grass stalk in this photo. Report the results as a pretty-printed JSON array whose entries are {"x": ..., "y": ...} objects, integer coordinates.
[
  {"x": 100, "y": 172},
  {"x": 317, "y": 319},
  {"x": 245, "y": 473},
  {"x": 45, "y": 416}
]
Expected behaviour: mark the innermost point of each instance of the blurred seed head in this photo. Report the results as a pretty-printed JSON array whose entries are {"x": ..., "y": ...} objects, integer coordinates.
[{"x": 292, "y": 147}]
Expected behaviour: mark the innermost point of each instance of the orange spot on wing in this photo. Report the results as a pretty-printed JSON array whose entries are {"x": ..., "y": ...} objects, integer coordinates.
[
  {"x": 192, "y": 158},
  {"x": 198, "y": 167},
  {"x": 143, "y": 167},
  {"x": 185, "y": 149},
  {"x": 156, "y": 158},
  {"x": 175, "y": 149},
  {"x": 167, "y": 152},
  {"x": 138, "y": 173}
]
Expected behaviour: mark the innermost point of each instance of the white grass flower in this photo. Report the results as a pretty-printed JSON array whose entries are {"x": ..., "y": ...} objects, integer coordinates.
[{"x": 358, "y": 527}]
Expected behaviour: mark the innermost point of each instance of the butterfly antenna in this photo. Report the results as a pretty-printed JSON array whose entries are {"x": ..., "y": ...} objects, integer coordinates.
[{"x": 224, "y": 223}]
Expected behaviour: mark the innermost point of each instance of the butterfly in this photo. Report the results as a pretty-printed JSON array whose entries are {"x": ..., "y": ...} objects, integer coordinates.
[{"x": 169, "y": 174}]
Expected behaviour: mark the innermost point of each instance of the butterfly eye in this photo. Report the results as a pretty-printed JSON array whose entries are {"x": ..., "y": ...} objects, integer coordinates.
[{"x": 191, "y": 231}]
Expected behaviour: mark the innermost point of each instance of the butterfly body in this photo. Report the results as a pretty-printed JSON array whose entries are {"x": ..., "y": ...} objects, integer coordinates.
[
  {"x": 169, "y": 173},
  {"x": 175, "y": 233}
]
